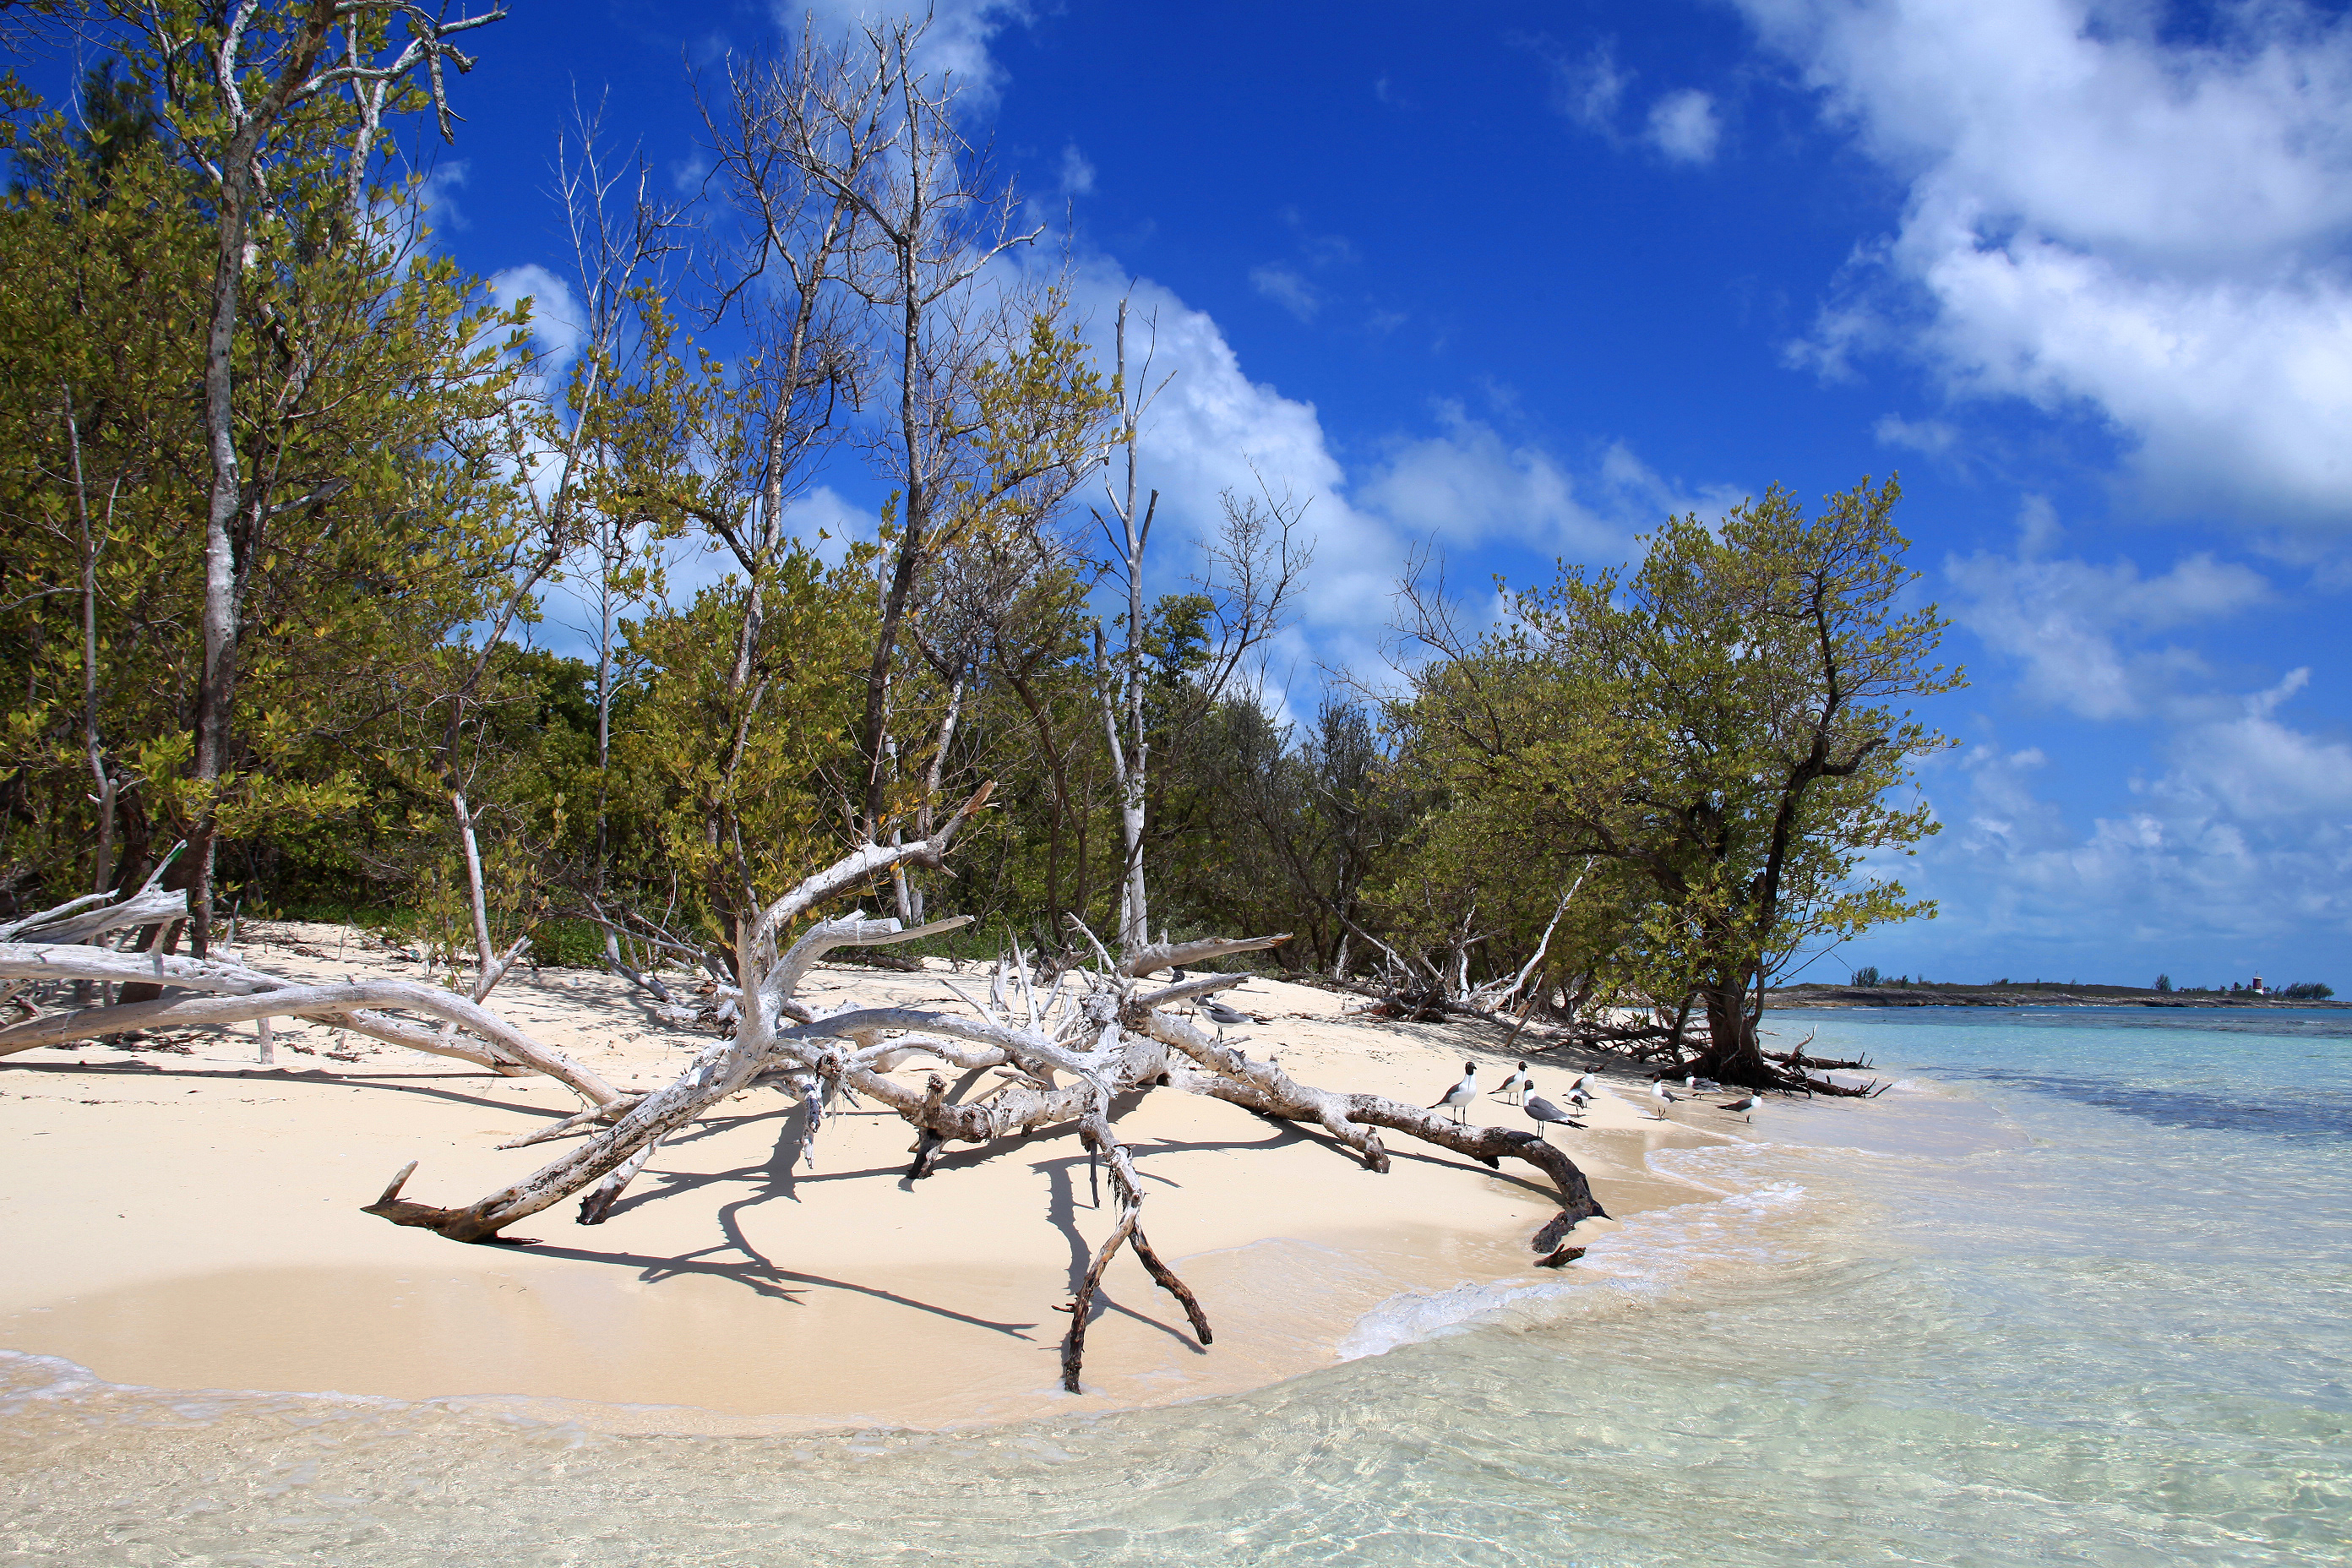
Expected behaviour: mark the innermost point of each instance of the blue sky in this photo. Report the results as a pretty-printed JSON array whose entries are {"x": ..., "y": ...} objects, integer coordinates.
[{"x": 1520, "y": 280}]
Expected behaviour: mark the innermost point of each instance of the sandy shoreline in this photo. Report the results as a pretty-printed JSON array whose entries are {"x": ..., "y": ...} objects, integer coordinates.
[{"x": 193, "y": 1221}]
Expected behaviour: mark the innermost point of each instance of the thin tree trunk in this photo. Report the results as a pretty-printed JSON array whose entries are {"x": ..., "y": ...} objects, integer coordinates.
[
  {"x": 90, "y": 549},
  {"x": 1131, "y": 761},
  {"x": 217, "y": 685}
]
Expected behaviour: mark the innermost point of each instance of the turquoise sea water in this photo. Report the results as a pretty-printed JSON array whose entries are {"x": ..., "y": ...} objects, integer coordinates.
[{"x": 2078, "y": 1291}]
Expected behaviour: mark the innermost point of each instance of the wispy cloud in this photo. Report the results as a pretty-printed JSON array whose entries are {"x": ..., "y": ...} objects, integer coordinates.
[
  {"x": 1590, "y": 86},
  {"x": 1683, "y": 125},
  {"x": 1932, "y": 437},
  {"x": 2085, "y": 636},
  {"x": 1287, "y": 289}
]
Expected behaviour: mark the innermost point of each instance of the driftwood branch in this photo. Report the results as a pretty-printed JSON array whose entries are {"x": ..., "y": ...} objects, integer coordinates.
[
  {"x": 244, "y": 995},
  {"x": 1162, "y": 955},
  {"x": 1062, "y": 1060}
]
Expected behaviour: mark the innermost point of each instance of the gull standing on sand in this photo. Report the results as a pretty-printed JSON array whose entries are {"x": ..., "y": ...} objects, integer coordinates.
[
  {"x": 1661, "y": 1096},
  {"x": 1221, "y": 1016},
  {"x": 1746, "y": 1105},
  {"x": 1546, "y": 1115},
  {"x": 1514, "y": 1088},
  {"x": 1586, "y": 1085},
  {"x": 1459, "y": 1096}
]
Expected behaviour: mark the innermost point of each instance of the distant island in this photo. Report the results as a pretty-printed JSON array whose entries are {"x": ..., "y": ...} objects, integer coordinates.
[{"x": 2038, "y": 993}]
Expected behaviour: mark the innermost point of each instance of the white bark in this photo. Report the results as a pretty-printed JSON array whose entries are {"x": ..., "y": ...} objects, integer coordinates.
[
  {"x": 249, "y": 993},
  {"x": 64, "y": 924},
  {"x": 1122, "y": 694}
]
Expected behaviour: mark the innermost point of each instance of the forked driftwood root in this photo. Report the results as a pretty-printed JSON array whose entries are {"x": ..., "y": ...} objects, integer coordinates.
[{"x": 1062, "y": 1061}]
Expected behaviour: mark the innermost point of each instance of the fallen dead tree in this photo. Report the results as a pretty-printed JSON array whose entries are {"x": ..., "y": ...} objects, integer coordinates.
[
  {"x": 1094, "y": 1036},
  {"x": 1068, "y": 1054}
]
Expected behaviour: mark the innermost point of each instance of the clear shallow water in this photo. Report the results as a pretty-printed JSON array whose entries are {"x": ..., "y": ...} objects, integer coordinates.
[{"x": 2076, "y": 1293}]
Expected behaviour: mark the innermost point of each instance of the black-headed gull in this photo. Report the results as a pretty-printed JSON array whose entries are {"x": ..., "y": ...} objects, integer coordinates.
[{"x": 1459, "y": 1096}]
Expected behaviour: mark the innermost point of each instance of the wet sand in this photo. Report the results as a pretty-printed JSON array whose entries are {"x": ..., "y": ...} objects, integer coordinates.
[{"x": 193, "y": 1221}]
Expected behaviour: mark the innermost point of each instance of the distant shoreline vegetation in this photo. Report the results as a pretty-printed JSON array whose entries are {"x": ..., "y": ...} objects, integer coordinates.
[{"x": 1869, "y": 988}]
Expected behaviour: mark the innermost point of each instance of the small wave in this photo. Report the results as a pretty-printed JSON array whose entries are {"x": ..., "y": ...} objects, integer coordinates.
[
  {"x": 64, "y": 1389},
  {"x": 25, "y": 1378},
  {"x": 1650, "y": 1254}
]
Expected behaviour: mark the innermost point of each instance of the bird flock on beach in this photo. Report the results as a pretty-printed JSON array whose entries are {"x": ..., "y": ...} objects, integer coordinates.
[{"x": 1518, "y": 1089}]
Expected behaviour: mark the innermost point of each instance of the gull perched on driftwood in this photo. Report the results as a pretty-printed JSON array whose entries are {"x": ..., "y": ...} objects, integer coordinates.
[
  {"x": 1457, "y": 1098},
  {"x": 1514, "y": 1088}
]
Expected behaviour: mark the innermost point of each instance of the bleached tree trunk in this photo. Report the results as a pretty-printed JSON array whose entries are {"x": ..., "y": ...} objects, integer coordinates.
[
  {"x": 906, "y": 892},
  {"x": 490, "y": 966},
  {"x": 1122, "y": 693}
]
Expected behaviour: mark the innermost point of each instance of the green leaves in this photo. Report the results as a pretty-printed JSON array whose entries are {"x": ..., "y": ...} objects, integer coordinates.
[{"x": 1721, "y": 726}]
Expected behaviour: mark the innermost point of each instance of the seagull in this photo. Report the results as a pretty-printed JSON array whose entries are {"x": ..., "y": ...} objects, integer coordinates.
[
  {"x": 1546, "y": 1115},
  {"x": 1221, "y": 1016},
  {"x": 1746, "y": 1105},
  {"x": 1514, "y": 1088},
  {"x": 1662, "y": 1097},
  {"x": 1698, "y": 1085},
  {"x": 1586, "y": 1085},
  {"x": 1459, "y": 1096}
]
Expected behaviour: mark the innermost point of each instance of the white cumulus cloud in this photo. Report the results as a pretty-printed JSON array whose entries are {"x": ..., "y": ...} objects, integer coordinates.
[
  {"x": 1462, "y": 485},
  {"x": 956, "y": 44},
  {"x": 2103, "y": 217},
  {"x": 556, "y": 319}
]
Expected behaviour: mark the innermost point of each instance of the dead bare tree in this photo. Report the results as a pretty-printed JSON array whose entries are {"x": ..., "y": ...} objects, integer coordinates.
[
  {"x": 1254, "y": 568},
  {"x": 1122, "y": 693},
  {"x": 874, "y": 130}
]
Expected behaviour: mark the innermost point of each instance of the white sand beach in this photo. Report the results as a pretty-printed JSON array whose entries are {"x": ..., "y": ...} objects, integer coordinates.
[{"x": 187, "y": 1218}]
